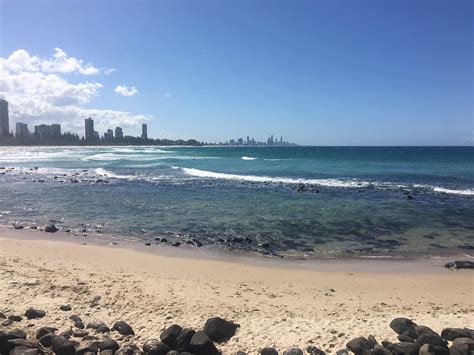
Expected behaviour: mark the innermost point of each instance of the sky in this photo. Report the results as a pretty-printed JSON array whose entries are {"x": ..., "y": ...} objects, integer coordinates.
[{"x": 320, "y": 72}]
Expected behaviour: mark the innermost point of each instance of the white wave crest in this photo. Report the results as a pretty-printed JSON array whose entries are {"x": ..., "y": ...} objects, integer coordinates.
[
  {"x": 278, "y": 180},
  {"x": 109, "y": 174},
  {"x": 455, "y": 192},
  {"x": 248, "y": 158}
]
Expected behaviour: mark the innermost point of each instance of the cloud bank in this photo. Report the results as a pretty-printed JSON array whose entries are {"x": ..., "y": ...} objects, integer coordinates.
[{"x": 39, "y": 91}]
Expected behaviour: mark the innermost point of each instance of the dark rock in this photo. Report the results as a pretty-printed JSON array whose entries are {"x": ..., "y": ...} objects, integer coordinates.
[
  {"x": 75, "y": 318},
  {"x": 46, "y": 340},
  {"x": 66, "y": 333},
  {"x": 239, "y": 353},
  {"x": 421, "y": 329},
  {"x": 380, "y": 350},
  {"x": 96, "y": 324},
  {"x": 32, "y": 313},
  {"x": 23, "y": 350},
  {"x": 80, "y": 333},
  {"x": 5, "y": 337},
  {"x": 400, "y": 324},
  {"x": 62, "y": 346},
  {"x": 18, "y": 226},
  {"x": 453, "y": 333},
  {"x": 108, "y": 344},
  {"x": 147, "y": 244},
  {"x": 15, "y": 318},
  {"x": 173, "y": 352},
  {"x": 65, "y": 307},
  {"x": 405, "y": 348},
  {"x": 432, "y": 339},
  {"x": 155, "y": 347},
  {"x": 176, "y": 244},
  {"x": 197, "y": 243},
  {"x": 102, "y": 329},
  {"x": 460, "y": 264},
  {"x": 201, "y": 344},
  {"x": 123, "y": 328},
  {"x": 219, "y": 330},
  {"x": 268, "y": 351},
  {"x": 79, "y": 325},
  {"x": 342, "y": 352},
  {"x": 183, "y": 339},
  {"x": 312, "y": 350},
  {"x": 7, "y": 322},
  {"x": 358, "y": 345},
  {"x": 405, "y": 338},
  {"x": 44, "y": 330},
  {"x": 51, "y": 229},
  {"x": 2, "y": 315},
  {"x": 293, "y": 351},
  {"x": 170, "y": 334},
  {"x": 428, "y": 349},
  {"x": 372, "y": 341}
]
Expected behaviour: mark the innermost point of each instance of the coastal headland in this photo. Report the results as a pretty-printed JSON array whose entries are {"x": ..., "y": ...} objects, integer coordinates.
[{"x": 280, "y": 304}]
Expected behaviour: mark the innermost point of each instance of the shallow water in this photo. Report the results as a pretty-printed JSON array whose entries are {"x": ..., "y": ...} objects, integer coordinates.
[{"x": 318, "y": 201}]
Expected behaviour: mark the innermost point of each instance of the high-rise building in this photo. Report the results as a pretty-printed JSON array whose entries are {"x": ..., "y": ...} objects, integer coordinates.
[
  {"x": 43, "y": 131},
  {"x": 109, "y": 135},
  {"x": 144, "y": 131},
  {"x": 4, "y": 120},
  {"x": 89, "y": 129},
  {"x": 118, "y": 133},
  {"x": 248, "y": 140},
  {"x": 21, "y": 130},
  {"x": 56, "y": 130}
]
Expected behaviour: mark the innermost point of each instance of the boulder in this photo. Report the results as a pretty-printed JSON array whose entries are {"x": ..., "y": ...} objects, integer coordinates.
[
  {"x": 358, "y": 345},
  {"x": 453, "y": 333},
  {"x": 46, "y": 340},
  {"x": 15, "y": 318},
  {"x": 293, "y": 351},
  {"x": 183, "y": 339},
  {"x": 400, "y": 324},
  {"x": 75, "y": 318},
  {"x": 428, "y": 349},
  {"x": 155, "y": 347},
  {"x": 404, "y": 348},
  {"x": 108, "y": 344},
  {"x": 421, "y": 329},
  {"x": 79, "y": 325},
  {"x": 62, "y": 346},
  {"x": 460, "y": 264},
  {"x": 5, "y": 337},
  {"x": 312, "y": 350},
  {"x": 44, "y": 330},
  {"x": 23, "y": 350},
  {"x": 219, "y": 329},
  {"x": 201, "y": 344},
  {"x": 123, "y": 328},
  {"x": 432, "y": 339},
  {"x": 51, "y": 229},
  {"x": 268, "y": 351},
  {"x": 170, "y": 334},
  {"x": 32, "y": 313}
]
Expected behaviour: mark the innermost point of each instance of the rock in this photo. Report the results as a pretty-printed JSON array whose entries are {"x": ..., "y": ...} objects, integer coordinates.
[
  {"x": 75, "y": 318},
  {"x": 239, "y": 353},
  {"x": 79, "y": 325},
  {"x": 380, "y": 350},
  {"x": 51, "y": 229},
  {"x": 62, "y": 346},
  {"x": 293, "y": 351},
  {"x": 80, "y": 333},
  {"x": 108, "y": 344},
  {"x": 96, "y": 324},
  {"x": 170, "y": 334},
  {"x": 453, "y": 333},
  {"x": 432, "y": 339},
  {"x": 201, "y": 344},
  {"x": 268, "y": 351},
  {"x": 400, "y": 324},
  {"x": 173, "y": 352},
  {"x": 176, "y": 244},
  {"x": 460, "y": 264},
  {"x": 23, "y": 350},
  {"x": 155, "y": 347},
  {"x": 5, "y": 337},
  {"x": 358, "y": 345},
  {"x": 46, "y": 340},
  {"x": 428, "y": 349},
  {"x": 44, "y": 330},
  {"x": 342, "y": 352},
  {"x": 219, "y": 329},
  {"x": 15, "y": 318},
  {"x": 123, "y": 328},
  {"x": 65, "y": 308},
  {"x": 312, "y": 350},
  {"x": 183, "y": 339},
  {"x": 404, "y": 348},
  {"x": 32, "y": 313},
  {"x": 372, "y": 341},
  {"x": 102, "y": 329},
  {"x": 405, "y": 338},
  {"x": 2, "y": 315},
  {"x": 7, "y": 322},
  {"x": 197, "y": 243}
]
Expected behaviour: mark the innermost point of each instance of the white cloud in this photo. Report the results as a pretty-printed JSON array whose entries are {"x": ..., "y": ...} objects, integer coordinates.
[
  {"x": 126, "y": 91},
  {"x": 38, "y": 93},
  {"x": 109, "y": 71},
  {"x": 167, "y": 96}
]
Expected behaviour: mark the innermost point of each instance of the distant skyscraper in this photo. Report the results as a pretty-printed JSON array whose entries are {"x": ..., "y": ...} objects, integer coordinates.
[
  {"x": 43, "y": 131},
  {"x": 89, "y": 129},
  {"x": 281, "y": 139},
  {"x": 144, "y": 131},
  {"x": 118, "y": 133},
  {"x": 248, "y": 140},
  {"x": 21, "y": 130},
  {"x": 56, "y": 130},
  {"x": 4, "y": 120}
]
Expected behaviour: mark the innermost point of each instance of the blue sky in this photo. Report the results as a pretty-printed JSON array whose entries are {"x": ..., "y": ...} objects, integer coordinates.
[{"x": 337, "y": 72}]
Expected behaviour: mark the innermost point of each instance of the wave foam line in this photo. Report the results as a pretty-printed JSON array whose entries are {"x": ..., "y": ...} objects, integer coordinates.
[
  {"x": 109, "y": 174},
  {"x": 263, "y": 179},
  {"x": 248, "y": 158}
]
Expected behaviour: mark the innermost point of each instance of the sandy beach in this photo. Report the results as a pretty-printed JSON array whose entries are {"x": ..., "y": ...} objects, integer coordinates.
[{"x": 280, "y": 304}]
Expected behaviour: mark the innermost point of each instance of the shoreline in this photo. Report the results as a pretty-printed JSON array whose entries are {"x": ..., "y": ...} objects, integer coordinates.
[{"x": 287, "y": 304}]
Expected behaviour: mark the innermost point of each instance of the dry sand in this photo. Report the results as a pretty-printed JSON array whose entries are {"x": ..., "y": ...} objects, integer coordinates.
[{"x": 277, "y": 304}]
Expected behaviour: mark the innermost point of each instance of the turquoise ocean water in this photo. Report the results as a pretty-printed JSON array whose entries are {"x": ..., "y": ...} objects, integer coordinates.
[{"x": 313, "y": 201}]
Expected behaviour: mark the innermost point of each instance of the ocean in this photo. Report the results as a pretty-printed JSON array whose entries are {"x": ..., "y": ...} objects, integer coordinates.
[{"x": 278, "y": 201}]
